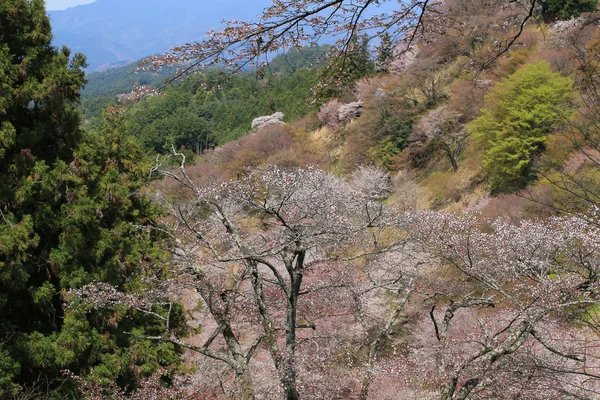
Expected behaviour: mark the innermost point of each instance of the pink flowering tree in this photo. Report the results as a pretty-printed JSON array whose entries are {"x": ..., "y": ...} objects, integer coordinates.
[
  {"x": 303, "y": 281},
  {"x": 511, "y": 322},
  {"x": 294, "y": 23},
  {"x": 442, "y": 127},
  {"x": 276, "y": 257}
]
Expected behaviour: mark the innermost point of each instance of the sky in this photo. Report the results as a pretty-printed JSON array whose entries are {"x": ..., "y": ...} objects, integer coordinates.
[{"x": 62, "y": 4}]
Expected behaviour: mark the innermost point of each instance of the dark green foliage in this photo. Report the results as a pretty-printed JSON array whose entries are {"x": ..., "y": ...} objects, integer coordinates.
[
  {"x": 385, "y": 52},
  {"x": 92, "y": 107},
  {"x": 213, "y": 108},
  {"x": 298, "y": 58},
  {"x": 101, "y": 241},
  {"x": 9, "y": 368},
  {"x": 520, "y": 112},
  {"x": 566, "y": 9},
  {"x": 339, "y": 77},
  {"x": 232, "y": 109},
  {"x": 164, "y": 121},
  {"x": 209, "y": 108},
  {"x": 101, "y": 89},
  {"x": 104, "y": 179},
  {"x": 69, "y": 204},
  {"x": 120, "y": 80},
  {"x": 393, "y": 128},
  {"x": 39, "y": 128},
  {"x": 394, "y": 132}
]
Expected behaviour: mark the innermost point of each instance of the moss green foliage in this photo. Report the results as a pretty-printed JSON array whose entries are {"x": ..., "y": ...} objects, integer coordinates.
[
  {"x": 521, "y": 111},
  {"x": 566, "y": 9},
  {"x": 69, "y": 207}
]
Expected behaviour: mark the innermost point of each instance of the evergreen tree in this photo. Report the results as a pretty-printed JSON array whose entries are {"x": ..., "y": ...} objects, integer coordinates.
[
  {"x": 340, "y": 77},
  {"x": 385, "y": 52},
  {"x": 566, "y": 9},
  {"x": 39, "y": 127},
  {"x": 68, "y": 207}
]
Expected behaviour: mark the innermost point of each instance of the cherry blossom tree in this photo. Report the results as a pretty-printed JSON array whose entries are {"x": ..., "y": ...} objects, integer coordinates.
[
  {"x": 273, "y": 256},
  {"x": 442, "y": 126},
  {"x": 538, "y": 278},
  {"x": 303, "y": 280},
  {"x": 293, "y": 23}
]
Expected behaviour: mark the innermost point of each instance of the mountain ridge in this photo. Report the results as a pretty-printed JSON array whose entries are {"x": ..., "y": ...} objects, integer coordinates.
[{"x": 114, "y": 31}]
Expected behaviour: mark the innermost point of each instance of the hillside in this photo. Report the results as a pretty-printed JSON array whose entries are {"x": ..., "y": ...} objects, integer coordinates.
[
  {"x": 492, "y": 172},
  {"x": 212, "y": 107},
  {"x": 413, "y": 217}
]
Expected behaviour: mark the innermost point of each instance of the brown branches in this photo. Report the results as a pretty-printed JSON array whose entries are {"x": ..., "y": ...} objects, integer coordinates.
[
  {"x": 511, "y": 41},
  {"x": 291, "y": 23}
]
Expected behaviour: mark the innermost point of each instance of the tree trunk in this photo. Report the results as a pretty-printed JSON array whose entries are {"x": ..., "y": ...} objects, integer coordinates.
[
  {"x": 246, "y": 385},
  {"x": 241, "y": 371},
  {"x": 291, "y": 393},
  {"x": 374, "y": 348},
  {"x": 451, "y": 157},
  {"x": 289, "y": 378}
]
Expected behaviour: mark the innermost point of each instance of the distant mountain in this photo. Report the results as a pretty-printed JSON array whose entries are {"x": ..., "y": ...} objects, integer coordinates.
[{"x": 114, "y": 31}]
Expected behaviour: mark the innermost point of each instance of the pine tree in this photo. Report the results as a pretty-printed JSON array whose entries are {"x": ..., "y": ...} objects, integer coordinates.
[
  {"x": 39, "y": 127},
  {"x": 566, "y": 9},
  {"x": 69, "y": 205},
  {"x": 340, "y": 77},
  {"x": 385, "y": 52}
]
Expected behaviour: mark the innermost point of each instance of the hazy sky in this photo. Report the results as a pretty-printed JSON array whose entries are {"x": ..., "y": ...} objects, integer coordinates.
[{"x": 62, "y": 4}]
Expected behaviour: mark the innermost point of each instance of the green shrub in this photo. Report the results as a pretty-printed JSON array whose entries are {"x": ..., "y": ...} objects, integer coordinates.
[{"x": 520, "y": 112}]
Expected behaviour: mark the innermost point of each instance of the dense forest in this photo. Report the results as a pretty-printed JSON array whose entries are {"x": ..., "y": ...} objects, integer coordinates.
[
  {"x": 422, "y": 221},
  {"x": 208, "y": 108}
]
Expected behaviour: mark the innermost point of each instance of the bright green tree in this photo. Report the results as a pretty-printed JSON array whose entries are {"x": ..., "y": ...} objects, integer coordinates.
[{"x": 521, "y": 111}]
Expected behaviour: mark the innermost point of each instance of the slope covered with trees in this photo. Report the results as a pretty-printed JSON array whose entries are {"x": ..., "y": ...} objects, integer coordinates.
[
  {"x": 473, "y": 307},
  {"x": 101, "y": 88},
  {"x": 427, "y": 228},
  {"x": 210, "y": 108}
]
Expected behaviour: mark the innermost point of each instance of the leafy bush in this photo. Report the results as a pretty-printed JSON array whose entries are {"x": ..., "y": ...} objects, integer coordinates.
[{"x": 520, "y": 112}]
